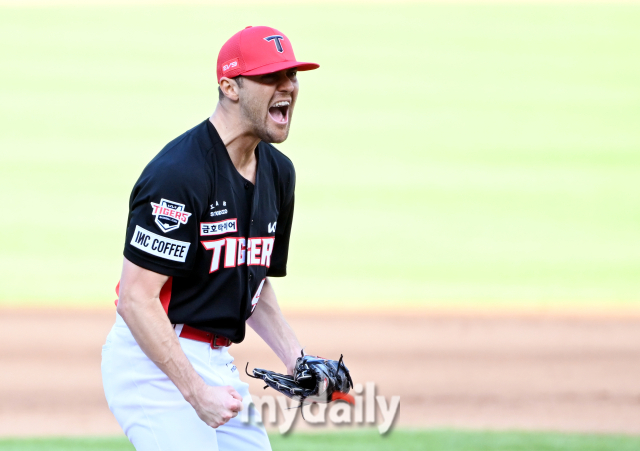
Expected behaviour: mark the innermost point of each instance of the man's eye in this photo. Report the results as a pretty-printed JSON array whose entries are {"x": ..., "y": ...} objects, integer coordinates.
[{"x": 293, "y": 74}]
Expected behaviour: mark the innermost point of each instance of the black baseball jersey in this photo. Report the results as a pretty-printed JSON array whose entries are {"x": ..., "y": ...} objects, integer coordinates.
[{"x": 193, "y": 217}]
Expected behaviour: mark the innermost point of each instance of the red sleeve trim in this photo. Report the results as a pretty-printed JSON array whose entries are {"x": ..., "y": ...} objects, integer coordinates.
[{"x": 165, "y": 294}]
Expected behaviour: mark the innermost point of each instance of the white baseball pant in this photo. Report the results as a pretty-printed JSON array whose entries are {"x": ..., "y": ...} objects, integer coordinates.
[{"x": 152, "y": 412}]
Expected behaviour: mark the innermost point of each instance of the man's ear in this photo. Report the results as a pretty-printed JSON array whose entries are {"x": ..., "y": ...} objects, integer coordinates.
[{"x": 230, "y": 89}]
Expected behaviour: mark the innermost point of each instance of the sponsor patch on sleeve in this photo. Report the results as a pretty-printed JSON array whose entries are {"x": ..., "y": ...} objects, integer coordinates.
[
  {"x": 160, "y": 246},
  {"x": 218, "y": 228}
]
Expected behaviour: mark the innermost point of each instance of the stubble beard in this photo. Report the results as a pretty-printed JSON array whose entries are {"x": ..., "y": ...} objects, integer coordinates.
[{"x": 253, "y": 115}]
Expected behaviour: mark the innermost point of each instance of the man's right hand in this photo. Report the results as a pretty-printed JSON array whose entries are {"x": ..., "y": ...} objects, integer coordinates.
[
  {"x": 217, "y": 405},
  {"x": 140, "y": 307}
]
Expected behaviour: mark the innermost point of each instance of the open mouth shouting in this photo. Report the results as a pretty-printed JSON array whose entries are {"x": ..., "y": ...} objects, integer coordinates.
[{"x": 279, "y": 111}]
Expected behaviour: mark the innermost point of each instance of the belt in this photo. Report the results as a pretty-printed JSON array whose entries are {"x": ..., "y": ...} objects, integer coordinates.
[{"x": 216, "y": 341}]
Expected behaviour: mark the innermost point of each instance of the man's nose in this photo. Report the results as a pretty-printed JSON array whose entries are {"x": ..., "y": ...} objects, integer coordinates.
[{"x": 285, "y": 84}]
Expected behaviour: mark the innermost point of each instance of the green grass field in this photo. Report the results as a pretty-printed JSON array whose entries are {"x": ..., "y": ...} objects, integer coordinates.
[
  {"x": 446, "y": 154},
  {"x": 370, "y": 441}
]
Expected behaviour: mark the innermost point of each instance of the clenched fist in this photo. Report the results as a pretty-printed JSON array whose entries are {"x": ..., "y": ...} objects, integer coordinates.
[{"x": 217, "y": 405}]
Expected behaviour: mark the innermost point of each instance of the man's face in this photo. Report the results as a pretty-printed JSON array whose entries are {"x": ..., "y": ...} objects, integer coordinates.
[{"x": 266, "y": 104}]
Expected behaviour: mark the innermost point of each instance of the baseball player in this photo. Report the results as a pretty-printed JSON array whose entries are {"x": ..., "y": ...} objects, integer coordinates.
[{"x": 209, "y": 223}]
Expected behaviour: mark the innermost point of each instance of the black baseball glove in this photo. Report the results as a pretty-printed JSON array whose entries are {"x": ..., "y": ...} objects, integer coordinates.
[{"x": 314, "y": 378}]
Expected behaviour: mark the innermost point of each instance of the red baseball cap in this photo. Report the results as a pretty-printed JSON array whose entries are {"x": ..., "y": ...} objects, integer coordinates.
[{"x": 258, "y": 51}]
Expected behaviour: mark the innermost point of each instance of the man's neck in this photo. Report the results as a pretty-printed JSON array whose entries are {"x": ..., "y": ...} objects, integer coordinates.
[{"x": 240, "y": 144}]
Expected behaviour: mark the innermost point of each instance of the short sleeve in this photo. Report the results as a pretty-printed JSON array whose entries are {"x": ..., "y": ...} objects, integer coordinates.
[
  {"x": 280, "y": 253},
  {"x": 162, "y": 228}
]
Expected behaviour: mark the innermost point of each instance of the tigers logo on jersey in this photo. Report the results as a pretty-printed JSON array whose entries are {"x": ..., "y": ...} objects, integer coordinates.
[{"x": 169, "y": 214}]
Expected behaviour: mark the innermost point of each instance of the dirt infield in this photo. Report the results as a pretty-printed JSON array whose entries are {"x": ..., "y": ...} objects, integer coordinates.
[{"x": 484, "y": 371}]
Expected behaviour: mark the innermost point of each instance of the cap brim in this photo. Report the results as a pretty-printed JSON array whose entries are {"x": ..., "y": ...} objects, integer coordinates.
[{"x": 283, "y": 65}]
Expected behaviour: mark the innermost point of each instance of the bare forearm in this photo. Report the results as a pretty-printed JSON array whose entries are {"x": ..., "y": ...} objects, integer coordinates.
[
  {"x": 269, "y": 322},
  {"x": 140, "y": 307},
  {"x": 156, "y": 337}
]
